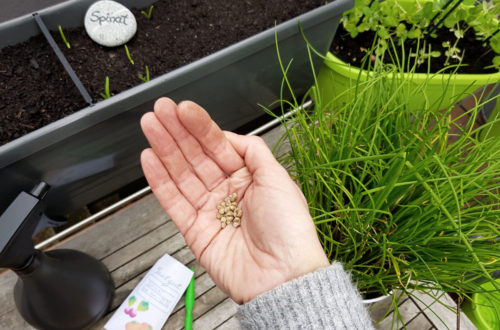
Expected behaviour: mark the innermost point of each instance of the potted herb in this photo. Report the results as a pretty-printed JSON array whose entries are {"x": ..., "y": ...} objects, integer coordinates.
[
  {"x": 93, "y": 152},
  {"x": 439, "y": 37},
  {"x": 406, "y": 200}
]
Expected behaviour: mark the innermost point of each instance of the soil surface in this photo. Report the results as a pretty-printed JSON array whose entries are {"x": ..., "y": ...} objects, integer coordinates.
[
  {"x": 35, "y": 90},
  {"x": 475, "y": 57}
]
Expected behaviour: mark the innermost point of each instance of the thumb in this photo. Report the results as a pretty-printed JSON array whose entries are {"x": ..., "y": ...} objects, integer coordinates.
[{"x": 254, "y": 151}]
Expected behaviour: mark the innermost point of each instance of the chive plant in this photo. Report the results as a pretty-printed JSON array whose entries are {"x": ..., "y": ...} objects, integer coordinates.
[
  {"x": 63, "y": 37},
  {"x": 128, "y": 55},
  {"x": 148, "y": 13},
  {"x": 145, "y": 79},
  {"x": 392, "y": 198},
  {"x": 106, "y": 94}
]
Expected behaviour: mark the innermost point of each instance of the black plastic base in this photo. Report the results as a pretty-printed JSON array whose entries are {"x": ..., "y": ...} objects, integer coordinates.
[{"x": 63, "y": 289}]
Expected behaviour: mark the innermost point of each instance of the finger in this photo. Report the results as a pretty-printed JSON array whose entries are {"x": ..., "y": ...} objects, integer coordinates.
[
  {"x": 213, "y": 141},
  {"x": 204, "y": 167},
  {"x": 183, "y": 214},
  {"x": 170, "y": 155},
  {"x": 198, "y": 227}
]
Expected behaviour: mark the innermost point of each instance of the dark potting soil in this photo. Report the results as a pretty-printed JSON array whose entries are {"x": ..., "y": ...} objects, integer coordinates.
[
  {"x": 474, "y": 60},
  {"x": 35, "y": 90}
]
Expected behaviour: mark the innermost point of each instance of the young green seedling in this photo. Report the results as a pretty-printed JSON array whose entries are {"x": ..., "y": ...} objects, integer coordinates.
[
  {"x": 106, "y": 94},
  {"x": 128, "y": 55},
  {"x": 63, "y": 37},
  {"x": 148, "y": 14},
  {"x": 145, "y": 79}
]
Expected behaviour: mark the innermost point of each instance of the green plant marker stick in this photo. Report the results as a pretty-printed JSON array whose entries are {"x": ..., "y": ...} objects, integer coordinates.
[{"x": 189, "y": 302}]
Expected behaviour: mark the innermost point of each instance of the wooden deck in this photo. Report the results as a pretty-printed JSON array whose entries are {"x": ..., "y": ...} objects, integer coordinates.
[{"x": 132, "y": 239}]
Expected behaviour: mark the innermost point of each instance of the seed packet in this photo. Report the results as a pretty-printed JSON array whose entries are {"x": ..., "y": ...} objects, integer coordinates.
[{"x": 150, "y": 304}]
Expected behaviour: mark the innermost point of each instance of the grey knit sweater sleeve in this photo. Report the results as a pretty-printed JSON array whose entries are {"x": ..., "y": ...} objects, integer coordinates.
[{"x": 324, "y": 299}]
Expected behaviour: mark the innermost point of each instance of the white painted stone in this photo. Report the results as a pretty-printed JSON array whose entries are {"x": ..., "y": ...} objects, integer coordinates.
[{"x": 109, "y": 23}]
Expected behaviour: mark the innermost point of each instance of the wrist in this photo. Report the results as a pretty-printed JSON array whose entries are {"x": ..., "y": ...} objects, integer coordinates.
[{"x": 310, "y": 265}]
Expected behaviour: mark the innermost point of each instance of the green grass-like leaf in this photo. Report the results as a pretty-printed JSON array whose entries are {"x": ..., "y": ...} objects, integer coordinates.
[
  {"x": 106, "y": 94},
  {"x": 149, "y": 13},
  {"x": 145, "y": 79},
  {"x": 63, "y": 37},
  {"x": 128, "y": 55}
]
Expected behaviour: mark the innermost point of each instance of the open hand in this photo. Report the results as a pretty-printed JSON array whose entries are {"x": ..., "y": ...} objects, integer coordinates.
[{"x": 193, "y": 166}]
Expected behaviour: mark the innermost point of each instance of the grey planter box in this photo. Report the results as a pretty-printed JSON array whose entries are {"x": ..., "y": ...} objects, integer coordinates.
[{"x": 96, "y": 151}]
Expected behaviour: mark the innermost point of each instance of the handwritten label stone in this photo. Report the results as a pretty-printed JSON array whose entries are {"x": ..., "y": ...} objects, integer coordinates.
[{"x": 109, "y": 23}]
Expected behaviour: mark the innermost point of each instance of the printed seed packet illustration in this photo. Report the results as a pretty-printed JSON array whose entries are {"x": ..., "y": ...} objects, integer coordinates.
[{"x": 149, "y": 305}]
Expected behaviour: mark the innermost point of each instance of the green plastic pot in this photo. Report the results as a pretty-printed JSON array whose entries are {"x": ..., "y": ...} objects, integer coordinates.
[
  {"x": 484, "y": 309},
  {"x": 336, "y": 78}
]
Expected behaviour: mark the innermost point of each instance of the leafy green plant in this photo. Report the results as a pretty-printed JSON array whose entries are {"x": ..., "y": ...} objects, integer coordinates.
[
  {"x": 145, "y": 79},
  {"x": 406, "y": 201},
  {"x": 411, "y": 20},
  {"x": 106, "y": 94},
  {"x": 148, "y": 14},
  {"x": 63, "y": 37},
  {"x": 128, "y": 55}
]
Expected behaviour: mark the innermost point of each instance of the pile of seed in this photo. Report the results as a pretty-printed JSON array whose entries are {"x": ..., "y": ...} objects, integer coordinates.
[{"x": 227, "y": 211}]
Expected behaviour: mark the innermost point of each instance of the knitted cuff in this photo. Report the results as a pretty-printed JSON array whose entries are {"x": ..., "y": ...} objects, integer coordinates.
[{"x": 324, "y": 299}]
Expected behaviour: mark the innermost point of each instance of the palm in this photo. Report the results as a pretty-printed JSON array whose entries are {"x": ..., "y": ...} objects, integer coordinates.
[{"x": 193, "y": 172}]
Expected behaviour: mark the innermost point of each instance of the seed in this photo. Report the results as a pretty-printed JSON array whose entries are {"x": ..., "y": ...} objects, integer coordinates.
[
  {"x": 236, "y": 224},
  {"x": 223, "y": 225},
  {"x": 228, "y": 211}
]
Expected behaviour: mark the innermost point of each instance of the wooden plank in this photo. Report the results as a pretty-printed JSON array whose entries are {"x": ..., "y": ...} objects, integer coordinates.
[
  {"x": 139, "y": 246},
  {"x": 419, "y": 322},
  {"x": 145, "y": 261},
  {"x": 231, "y": 324},
  {"x": 120, "y": 229},
  {"x": 184, "y": 256},
  {"x": 441, "y": 317},
  {"x": 14, "y": 322},
  {"x": 407, "y": 311},
  {"x": 218, "y": 315},
  {"x": 203, "y": 304},
  {"x": 384, "y": 307},
  {"x": 7, "y": 282}
]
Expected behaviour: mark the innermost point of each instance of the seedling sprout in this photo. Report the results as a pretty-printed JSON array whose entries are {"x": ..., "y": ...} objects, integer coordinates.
[
  {"x": 148, "y": 14},
  {"x": 63, "y": 37},
  {"x": 128, "y": 55},
  {"x": 106, "y": 94},
  {"x": 145, "y": 79}
]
